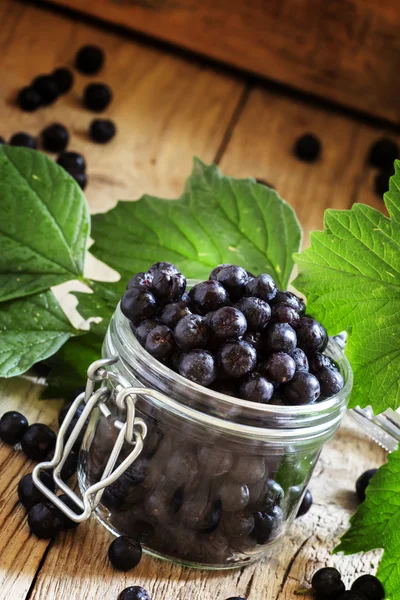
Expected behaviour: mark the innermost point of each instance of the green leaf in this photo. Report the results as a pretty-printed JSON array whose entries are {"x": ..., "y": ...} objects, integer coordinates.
[
  {"x": 376, "y": 524},
  {"x": 31, "y": 330},
  {"x": 351, "y": 277},
  {"x": 217, "y": 219},
  {"x": 44, "y": 224}
]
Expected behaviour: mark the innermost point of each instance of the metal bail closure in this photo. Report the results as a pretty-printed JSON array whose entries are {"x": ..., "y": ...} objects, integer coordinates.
[{"x": 133, "y": 431}]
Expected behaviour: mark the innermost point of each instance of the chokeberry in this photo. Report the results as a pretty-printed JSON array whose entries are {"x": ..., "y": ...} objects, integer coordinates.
[
  {"x": 89, "y": 59},
  {"x": 279, "y": 367},
  {"x": 198, "y": 366},
  {"x": 141, "y": 280},
  {"x": 64, "y": 79},
  {"x": 29, "y": 494},
  {"x": 305, "y": 505},
  {"x": 280, "y": 337},
  {"x": 262, "y": 287},
  {"x": 327, "y": 583},
  {"x": 174, "y": 312},
  {"x": 25, "y": 140},
  {"x": 330, "y": 381},
  {"x": 168, "y": 287},
  {"x": 311, "y": 335},
  {"x": 102, "y": 131},
  {"x": 237, "y": 359},
  {"x": 300, "y": 359},
  {"x": 228, "y": 323},
  {"x": 289, "y": 299},
  {"x": 302, "y": 389},
  {"x": 208, "y": 296},
  {"x": 163, "y": 266},
  {"x": 47, "y": 89},
  {"x": 55, "y": 137},
  {"x": 97, "y": 96},
  {"x": 125, "y": 553},
  {"x": 144, "y": 329},
  {"x": 383, "y": 153},
  {"x": 307, "y": 147},
  {"x": 363, "y": 482},
  {"x": 70, "y": 466},
  {"x": 160, "y": 342},
  {"x": 45, "y": 520},
  {"x": 369, "y": 587},
  {"x": 37, "y": 441},
  {"x": 192, "y": 332},
  {"x": 28, "y": 99},
  {"x": 318, "y": 362},
  {"x": 12, "y": 427},
  {"x": 233, "y": 278},
  {"x": 135, "y": 592},
  {"x": 282, "y": 313},
  {"x": 80, "y": 178},
  {"x": 256, "y": 311},
  {"x": 256, "y": 388},
  {"x": 381, "y": 182},
  {"x": 72, "y": 161},
  {"x": 138, "y": 304}
]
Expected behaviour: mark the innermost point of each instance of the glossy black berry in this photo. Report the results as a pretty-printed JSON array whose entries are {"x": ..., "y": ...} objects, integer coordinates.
[
  {"x": 256, "y": 311},
  {"x": 307, "y": 147},
  {"x": 138, "y": 304},
  {"x": 369, "y": 587},
  {"x": 228, "y": 323},
  {"x": 305, "y": 505},
  {"x": 66, "y": 522},
  {"x": 173, "y": 313},
  {"x": 237, "y": 359},
  {"x": 72, "y": 161},
  {"x": 28, "y": 99},
  {"x": 255, "y": 339},
  {"x": 290, "y": 299},
  {"x": 64, "y": 79},
  {"x": 279, "y": 367},
  {"x": 70, "y": 466},
  {"x": 256, "y": 388},
  {"x": 55, "y": 137},
  {"x": 102, "y": 131},
  {"x": 163, "y": 266},
  {"x": 383, "y": 153},
  {"x": 381, "y": 182},
  {"x": 47, "y": 89},
  {"x": 282, "y": 313},
  {"x": 29, "y": 494},
  {"x": 135, "y": 592},
  {"x": 45, "y": 520},
  {"x": 208, "y": 296},
  {"x": 37, "y": 441},
  {"x": 311, "y": 335},
  {"x": 144, "y": 329},
  {"x": 89, "y": 59},
  {"x": 280, "y": 337},
  {"x": 192, "y": 332},
  {"x": 318, "y": 362},
  {"x": 167, "y": 286},
  {"x": 363, "y": 482},
  {"x": 12, "y": 427},
  {"x": 160, "y": 342},
  {"x": 330, "y": 381},
  {"x": 198, "y": 366},
  {"x": 327, "y": 583},
  {"x": 302, "y": 389},
  {"x": 300, "y": 359},
  {"x": 262, "y": 287},
  {"x": 97, "y": 96},
  {"x": 80, "y": 178},
  {"x": 25, "y": 140},
  {"x": 125, "y": 553},
  {"x": 233, "y": 278},
  {"x": 265, "y": 523},
  {"x": 141, "y": 280}
]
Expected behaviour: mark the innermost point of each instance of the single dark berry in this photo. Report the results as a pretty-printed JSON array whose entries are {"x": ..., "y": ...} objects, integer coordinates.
[
  {"x": 265, "y": 523},
  {"x": 290, "y": 299},
  {"x": 307, "y": 147},
  {"x": 89, "y": 59},
  {"x": 144, "y": 329},
  {"x": 192, "y": 332},
  {"x": 237, "y": 359},
  {"x": 29, "y": 494},
  {"x": 330, "y": 381},
  {"x": 228, "y": 323},
  {"x": 233, "y": 279},
  {"x": 45, "y": 520},
  {"x": 302, "y": 389},
  {"x": 137, "y": 304},
  {"x": 262, "y": 287},
  {"x": 160, "y": 342},
  {"x": 256, "y": 388},
  {"x": 25, "y": 140},
  {"x": 381, "y": 182},
  {"x": 135, "y": 592},
  {"x": 72, "y": 161},
  {"x": 66, "y": 522},
  {"x": 363, "y": 482},
  {"x": 97, "y": 96},
  {"x": 311, "y": 335},
  {"x": 12, "y": 427},
  {"x": 305, "y": 505},
  {"x": 198, "y": 366},
  {"x": 368, "y": 587},
  {"x": 64, "y": 79},
  {"x": 37, "y": 441},
  {"x": 255, "y": 339},
  {"x": 280, "y": 337},
  {"x": 216, "y": 270},
  {"x": 168, "y": 287},
  {"x": 80, "y": 178},
  {"x": 28, "y": 99},
  {"x": 279, "y": 367},
  {"x": 173, "y": 313},
  {"x": 300, "y": 359},
  {"x": 102, "y": 130},
  {"x": 208, "y": 296},
  {"x": 318, "y": 362},
  {"x": 125, "y": 553},
  {"x": 383, "y": 153},
  {"x": 282, "y": 313},
  {"x": 55, "y": 137},
  {"x": 327, "y": 583},
  {"x": 256, "y": 311},
  {"x": 70, "y": 466},
  {"x": 141, "y": 280},
  {"x": 47, "y": 89},
  {"x": 163, "y": 266}
]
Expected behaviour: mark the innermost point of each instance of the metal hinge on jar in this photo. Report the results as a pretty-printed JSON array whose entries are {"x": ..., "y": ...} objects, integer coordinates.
[{"x": 133, "y": 431}]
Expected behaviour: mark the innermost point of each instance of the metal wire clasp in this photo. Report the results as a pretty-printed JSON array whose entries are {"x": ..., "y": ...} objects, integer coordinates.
[{"x": 133, "y": 431}]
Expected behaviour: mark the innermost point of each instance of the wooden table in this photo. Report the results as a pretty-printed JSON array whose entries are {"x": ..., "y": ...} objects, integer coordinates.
[{"x": 169, "y": 108}]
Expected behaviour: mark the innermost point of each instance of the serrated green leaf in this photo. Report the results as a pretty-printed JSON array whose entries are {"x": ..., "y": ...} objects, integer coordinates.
[
  {"x": 217, "y": 219},
  {"x": 44, "y": 224},
  {"x": 376, "y": 524},
  {"x": 351, "y": 277},
  {"x": 31, "y": 330}
]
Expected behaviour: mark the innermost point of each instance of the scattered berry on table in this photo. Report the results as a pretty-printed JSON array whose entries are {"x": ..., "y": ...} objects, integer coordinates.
[
  {"x": 383, "y": 153},
  {"x": 55, "y": 137},
  {"x": 135, "y": 592},
  {"x": 28, "y": 99},
  {"x": 25, "y": 140},
  {"x": 102, "y": 131},
  {"x": 80, "y": 178},
  {"x": 47, "y": 89},
  {"x": 198, "y": 366},
  {"x": 12, "y": 427},
  {"x": 256, "y": 388},
  {"x": 72, "y": 161},
  {"x": 304, "y": 388},
  {"x": 363, "y": 482},
  {"x": 45, "y": 520},
  {"x": 369, "y": 587},
  {"x": 125, "y": 553},
  {"x": 97, "y": 96},
  {"x": 64, "y": 79},
  {"x": 305, "y": 505},
  {"x": 29, "y": 494},
  {"x": 327, "y": 583},
  {"x": 37, "y": 441},
  {"x": 89, "y": 59},
  {"x": 307, "y": 148},
  {"x": 381, "y": 182}
]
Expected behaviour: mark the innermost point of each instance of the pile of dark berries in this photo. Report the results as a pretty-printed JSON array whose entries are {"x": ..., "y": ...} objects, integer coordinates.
[
  {"x": 234, "y": 331},
  {"x": 327, "y": 584}
]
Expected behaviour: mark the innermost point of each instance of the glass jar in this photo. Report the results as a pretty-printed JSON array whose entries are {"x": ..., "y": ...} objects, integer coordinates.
[{"x": 219, "y": 479}]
